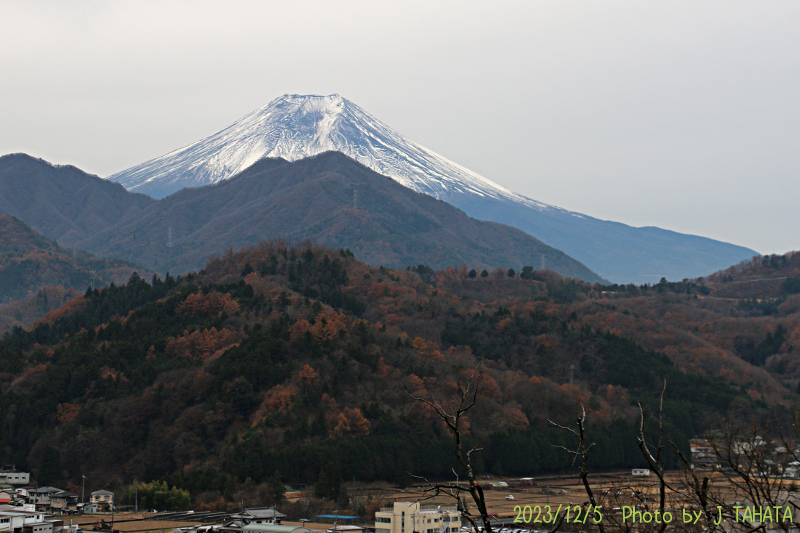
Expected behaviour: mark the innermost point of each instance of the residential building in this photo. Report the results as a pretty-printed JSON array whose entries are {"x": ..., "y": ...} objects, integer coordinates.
[
  {"x": 15, "y": 519},
  {"x": 414, "y": 517},
  {"x": 259, "y": 515},
  {"x": 41, "y": 496},
  {"x": 103, "y": 499},
  {"x": 10, "y": 475},
  {"x": 11, "y": 522},
  {"x": 238, "y": 527},
  {"x": 38, "y": 527},
  {"x": 64, "y": 502}
]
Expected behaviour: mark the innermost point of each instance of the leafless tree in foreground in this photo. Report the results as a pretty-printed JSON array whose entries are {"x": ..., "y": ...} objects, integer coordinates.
[
  {"x": 749, "y": 475},
  {"x": 622, "y": 496},
  {"x": 652, "y": 455},
  {"x": 453, "y": 415},
  {"x": 581, "y": 452},
  {"x": 748, "y": 488}
]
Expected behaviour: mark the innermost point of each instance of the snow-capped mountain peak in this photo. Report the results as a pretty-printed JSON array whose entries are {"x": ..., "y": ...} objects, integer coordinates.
[{"x": 298, "y": 126}]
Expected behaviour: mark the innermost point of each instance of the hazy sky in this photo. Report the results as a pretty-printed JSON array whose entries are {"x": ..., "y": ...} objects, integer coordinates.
[{"x": 683, "y": 115}]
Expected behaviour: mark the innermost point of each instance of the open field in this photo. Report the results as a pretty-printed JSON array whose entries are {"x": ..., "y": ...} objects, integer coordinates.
[
  {"x": 553, "y": 491},
  {"x": 610, "y": 490},
  {"x": 129, "y": 522}
]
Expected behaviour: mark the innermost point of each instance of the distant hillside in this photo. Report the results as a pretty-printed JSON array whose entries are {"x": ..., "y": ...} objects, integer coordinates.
[
  {"x": 768, "y": 276},
  {"x": 295, "y": 358},
  {"x": 329, "y": 198},
  {"x": 62, "y": 202},
  {"x": 37, "y": 275}
]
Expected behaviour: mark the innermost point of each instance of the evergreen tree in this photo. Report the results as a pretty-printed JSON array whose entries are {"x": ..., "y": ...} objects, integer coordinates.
[
  {"x": 49, "y": 466},
  {"x": 329, "y": 484},
  {"x": 276, "y": 490}
]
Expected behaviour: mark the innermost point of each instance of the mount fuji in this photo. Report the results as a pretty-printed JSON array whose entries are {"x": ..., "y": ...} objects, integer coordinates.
[{"x": 295, "y": 127}]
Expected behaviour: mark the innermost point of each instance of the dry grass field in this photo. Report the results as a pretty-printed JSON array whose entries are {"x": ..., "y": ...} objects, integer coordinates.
[
  {"x": 612, "y": 490},
  {"x": 127, "y": 522}
]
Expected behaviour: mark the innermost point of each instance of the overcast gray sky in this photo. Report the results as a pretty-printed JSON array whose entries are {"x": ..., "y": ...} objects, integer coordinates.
[{"x": 683, "y": 115}]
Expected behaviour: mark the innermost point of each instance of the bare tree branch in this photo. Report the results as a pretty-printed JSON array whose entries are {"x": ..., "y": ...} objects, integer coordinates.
[
  {"x": 582, "y": 452},
  {"x": 453, "y": 417}
]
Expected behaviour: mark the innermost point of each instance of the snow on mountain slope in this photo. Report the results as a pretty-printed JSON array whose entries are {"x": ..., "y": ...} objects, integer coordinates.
[{"x": 294, "y": 127}]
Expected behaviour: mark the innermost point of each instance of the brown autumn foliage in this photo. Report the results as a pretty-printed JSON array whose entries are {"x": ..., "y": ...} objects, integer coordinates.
[
  {"x": 277, "y": 399},
  {"x": 351, "y": 422},
  {"x": 210, "y": 304},
  {"x": 203, "y": 344},
  {"x": 307, "y": 374},
  {"x": 67, "y": 412},
  {"x": 312, "y": 374},
  {"x": 39, "y": 276},
  {"x": 70, "y": 307}
]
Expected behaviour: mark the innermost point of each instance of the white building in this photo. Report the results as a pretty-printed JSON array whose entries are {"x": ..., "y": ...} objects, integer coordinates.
[
  {"x": 9, "y": 475},
  {"x": 15, "y": 519},
  {"x": 411, "y": 517},
  {"x": 260, "y": 515}
]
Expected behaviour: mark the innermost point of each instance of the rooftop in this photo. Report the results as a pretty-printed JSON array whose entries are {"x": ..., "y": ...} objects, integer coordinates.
[
  {"x": 274, "y": 528},
  {"x": 43, "y": 490},
  {"x": 427, "y": 509}
]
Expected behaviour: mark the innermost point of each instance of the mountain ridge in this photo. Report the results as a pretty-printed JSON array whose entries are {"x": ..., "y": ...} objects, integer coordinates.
[
  {"x": 61, "y": 201},
  {"x": 313, "y": 199},
  {"x": 297, "y": 126},
  {"x": 328, "y": 198}
]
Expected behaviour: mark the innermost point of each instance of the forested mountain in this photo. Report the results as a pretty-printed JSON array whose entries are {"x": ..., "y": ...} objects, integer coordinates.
[
  {"x": 37, "y": 275},
  {"x": 62, "y": 202},
  {"x": 775, "y": 277},
  {"x": 294, "y": 127},
  {"x": 300, "y": 359},
  {"x": 330, "y": 199}
]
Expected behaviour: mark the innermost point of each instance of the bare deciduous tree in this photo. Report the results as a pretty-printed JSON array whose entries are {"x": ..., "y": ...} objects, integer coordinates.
[
  {"x": 453, "y": 415},
  {"x": 581, "y": 452}
]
